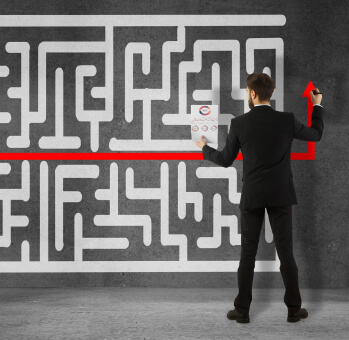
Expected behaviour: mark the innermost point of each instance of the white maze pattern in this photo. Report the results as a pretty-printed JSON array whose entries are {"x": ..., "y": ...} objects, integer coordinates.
[
  {"x": 64, "y": 198},
  {"x": 101, "y": 124},
  {"x": 72, "y": 84}
]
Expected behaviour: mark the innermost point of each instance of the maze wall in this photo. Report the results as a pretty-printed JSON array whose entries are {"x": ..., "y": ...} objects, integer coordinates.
[
  {"x": 98, "y": 173},
  {"x": 77, "y": 216}
]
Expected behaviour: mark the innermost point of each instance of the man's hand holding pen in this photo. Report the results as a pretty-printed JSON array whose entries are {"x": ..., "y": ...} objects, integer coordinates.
[{"x": 316, "y": 96}]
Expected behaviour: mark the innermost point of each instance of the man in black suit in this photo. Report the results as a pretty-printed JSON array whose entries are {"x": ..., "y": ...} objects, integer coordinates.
[{"x": 265, "y": 138}]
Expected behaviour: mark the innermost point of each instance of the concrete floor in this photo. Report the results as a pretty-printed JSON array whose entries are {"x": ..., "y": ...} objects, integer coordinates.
[{"x": 166, "y": 313}]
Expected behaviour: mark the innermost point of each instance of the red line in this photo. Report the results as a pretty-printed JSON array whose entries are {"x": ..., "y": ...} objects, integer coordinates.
[{"x": 132, "y": 155}]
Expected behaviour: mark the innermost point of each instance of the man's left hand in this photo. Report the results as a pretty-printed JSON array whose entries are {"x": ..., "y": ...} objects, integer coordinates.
[{"x": 202, "y": 142}]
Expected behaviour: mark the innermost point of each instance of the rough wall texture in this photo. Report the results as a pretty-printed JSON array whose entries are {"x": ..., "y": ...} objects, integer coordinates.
[{"x": 165, "y": 243}]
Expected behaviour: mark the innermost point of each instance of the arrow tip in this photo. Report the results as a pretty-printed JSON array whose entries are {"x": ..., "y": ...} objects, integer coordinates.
[{"x": 310, "y": 87}]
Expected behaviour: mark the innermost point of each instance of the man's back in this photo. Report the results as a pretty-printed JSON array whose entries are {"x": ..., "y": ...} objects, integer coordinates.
[{"x": 265, "y": 138}]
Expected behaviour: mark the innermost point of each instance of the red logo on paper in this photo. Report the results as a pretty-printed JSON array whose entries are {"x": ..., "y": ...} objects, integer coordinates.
[{"x": 205, "y": 110}]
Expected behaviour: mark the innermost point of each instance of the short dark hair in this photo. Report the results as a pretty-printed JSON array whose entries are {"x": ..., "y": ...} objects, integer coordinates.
[{"x": 262, "y": 84}]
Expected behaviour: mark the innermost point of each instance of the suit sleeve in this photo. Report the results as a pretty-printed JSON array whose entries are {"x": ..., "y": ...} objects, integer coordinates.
[
  {"x": 313, "y": 132},
  {"x": 227, "y": 156}
]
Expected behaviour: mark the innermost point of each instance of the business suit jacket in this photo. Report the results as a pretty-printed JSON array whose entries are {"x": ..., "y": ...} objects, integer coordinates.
[{"x": 265, "y": 137}]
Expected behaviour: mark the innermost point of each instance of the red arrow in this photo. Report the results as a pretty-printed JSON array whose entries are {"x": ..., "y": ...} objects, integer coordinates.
[
  {"x": 306, "y": 93},
  {"x": 310, "y": 103}
]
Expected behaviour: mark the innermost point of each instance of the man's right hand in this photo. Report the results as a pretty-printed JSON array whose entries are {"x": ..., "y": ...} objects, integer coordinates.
[{"x": 316, "y": 98}]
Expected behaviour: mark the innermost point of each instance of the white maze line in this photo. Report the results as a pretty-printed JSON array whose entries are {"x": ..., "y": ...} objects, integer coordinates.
[
  {"x": 95, "y": 117},
  {"x": 105, "y": 92},
  {"x": 133, "y": 266},
  {"x": 61, "y": 196},
  {"x": 10, "y": 221},
  {"x": 220, "y": 221},
  {"x": 22, "y": 92},
  {"x": 141, "y": 20},
  {"x": 162, "y": 194},
  {"x": 59, "y": 141},
  {"x": 44, "y": 200},
  {"x": 185, "y": 197},
  {"x": 114, "y": 219},
  {"x": 146, "y": 95},
  {"x": 183, "y": 118},
  {"x": 185, "y": 67},
  {"x": 234, "y": 197},
  {"x": 276, "y": 44},
  {"x": 220, "y": 172},
  {"x": 212, "y": 95},
  {"x": 81, "y": 242},
  {"x": 5, "y": 117}
]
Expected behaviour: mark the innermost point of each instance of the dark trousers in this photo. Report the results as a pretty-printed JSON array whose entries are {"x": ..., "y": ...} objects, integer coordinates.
[{"x": 281, "y": 224}]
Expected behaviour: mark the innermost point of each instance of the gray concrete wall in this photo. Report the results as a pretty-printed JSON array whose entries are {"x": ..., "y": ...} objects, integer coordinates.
[{"x": 39, "y": 249}]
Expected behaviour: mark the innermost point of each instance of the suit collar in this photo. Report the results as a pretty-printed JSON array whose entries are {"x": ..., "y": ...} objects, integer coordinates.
[{"x": 262, "y": 107}]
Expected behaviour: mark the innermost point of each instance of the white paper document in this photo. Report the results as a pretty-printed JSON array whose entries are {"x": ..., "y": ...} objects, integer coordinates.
[{"x": 204, "y": 121}]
